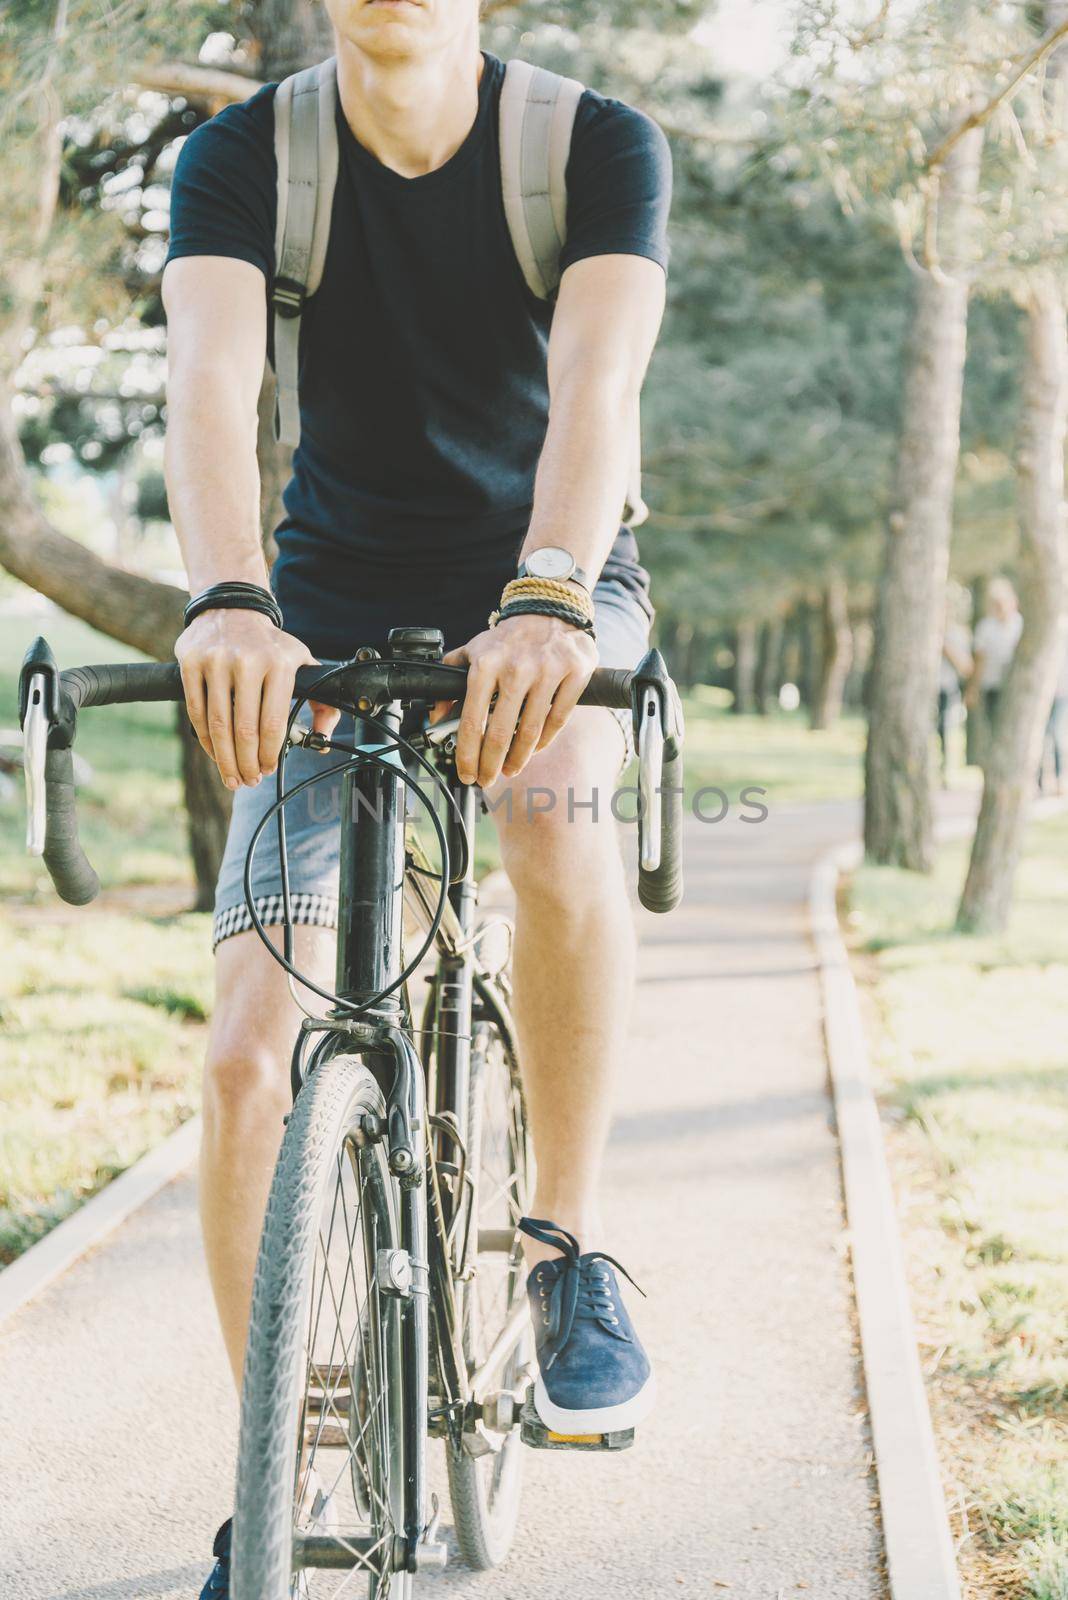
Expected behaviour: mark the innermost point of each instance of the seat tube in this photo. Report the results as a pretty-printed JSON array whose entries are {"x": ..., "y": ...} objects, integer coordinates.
[{"x": 371, "y": 874}]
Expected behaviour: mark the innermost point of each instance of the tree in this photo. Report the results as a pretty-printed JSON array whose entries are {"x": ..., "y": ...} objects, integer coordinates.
[
  {"x": 835, "y": 655},
  {"x": 900, "y": 114},
  {"x": 1015, "y": 749},
  {"x": 1042, "y": 573},
  {"x": 898, "y": 822},
  {"x": 70, "y": 56}
]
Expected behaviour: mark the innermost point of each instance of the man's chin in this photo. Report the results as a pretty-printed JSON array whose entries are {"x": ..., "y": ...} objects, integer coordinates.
[{"x": 388, "y": 30}]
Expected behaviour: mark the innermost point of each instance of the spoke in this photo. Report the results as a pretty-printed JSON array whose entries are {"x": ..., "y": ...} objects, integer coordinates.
[{"x": 340, "y": 1383}]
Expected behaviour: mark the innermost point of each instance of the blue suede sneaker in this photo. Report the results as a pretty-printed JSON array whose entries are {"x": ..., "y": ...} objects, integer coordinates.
[
  {"x": 218, "y": 1584},
  {"x": 594, "y": 1376}
]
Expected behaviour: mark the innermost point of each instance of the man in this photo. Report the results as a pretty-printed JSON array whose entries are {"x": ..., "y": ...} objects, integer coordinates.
[
  {"x": 447, "y": 433},
  {"x": 993, "y": 646},
  {"x": 954, "y": 668}
]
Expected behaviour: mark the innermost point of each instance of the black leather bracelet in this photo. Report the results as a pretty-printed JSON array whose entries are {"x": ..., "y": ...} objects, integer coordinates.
[
  {"x": 544, "y": 608},
  {"x": 235, "y": 597}
]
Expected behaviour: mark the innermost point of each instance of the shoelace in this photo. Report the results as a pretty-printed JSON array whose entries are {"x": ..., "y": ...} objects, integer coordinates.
[{"x": 579, "y": 1293}]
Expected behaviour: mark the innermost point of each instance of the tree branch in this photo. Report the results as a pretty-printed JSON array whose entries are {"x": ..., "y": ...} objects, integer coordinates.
[
  {"x": 978, "y": 118},
  {"x": 209, "y": 85},
  {"x": 138, "y": 611}
]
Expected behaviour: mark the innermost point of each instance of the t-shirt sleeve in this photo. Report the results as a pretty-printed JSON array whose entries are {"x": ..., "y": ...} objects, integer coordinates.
[
  {"x": 983, "y": 637},
  {"x": 224, "y": 188},
  {"x": 618, "y": 184}
]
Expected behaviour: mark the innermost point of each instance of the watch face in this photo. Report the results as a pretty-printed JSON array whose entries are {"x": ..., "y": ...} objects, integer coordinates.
[{"x": 551, "y": 562}]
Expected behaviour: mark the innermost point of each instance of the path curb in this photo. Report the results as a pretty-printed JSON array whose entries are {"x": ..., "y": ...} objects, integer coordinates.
[
  {"x": 919, "y": 1548},
  {"x": 42, "y": 1263},
  {"x": 921, "y": 1560}
]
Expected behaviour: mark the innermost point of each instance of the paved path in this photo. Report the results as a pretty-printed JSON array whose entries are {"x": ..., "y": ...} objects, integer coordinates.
[{"x": 752, "y": 1482}]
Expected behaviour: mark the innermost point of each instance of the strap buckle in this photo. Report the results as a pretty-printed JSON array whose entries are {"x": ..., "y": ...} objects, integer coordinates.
[{"x": 288, "y": 297}]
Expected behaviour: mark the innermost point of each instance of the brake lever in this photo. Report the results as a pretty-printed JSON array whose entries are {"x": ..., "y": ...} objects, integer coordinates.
[
  {"x": 39, "y": 714},
  {"x": 35, "y": 728},
  {"x": 650, "y": 772},
  {"x": 439, "y": 734}
]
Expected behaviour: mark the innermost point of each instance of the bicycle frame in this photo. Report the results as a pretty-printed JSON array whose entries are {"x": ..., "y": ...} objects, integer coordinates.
[{"x": 373, "y": 872}]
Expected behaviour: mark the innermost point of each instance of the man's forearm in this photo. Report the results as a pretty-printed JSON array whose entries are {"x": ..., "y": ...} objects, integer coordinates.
[
  {"x": 582, "y": 474},
  {"x": 213, "y": 483}
]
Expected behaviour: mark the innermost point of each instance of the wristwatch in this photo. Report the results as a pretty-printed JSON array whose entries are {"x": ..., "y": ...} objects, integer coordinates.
[{"x": 551, "y": 561}]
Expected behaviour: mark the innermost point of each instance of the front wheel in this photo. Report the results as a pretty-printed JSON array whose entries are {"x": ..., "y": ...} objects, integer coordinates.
[
  {"x": 320, "y": 1474},
  {"x": 485, "y": 1475}
]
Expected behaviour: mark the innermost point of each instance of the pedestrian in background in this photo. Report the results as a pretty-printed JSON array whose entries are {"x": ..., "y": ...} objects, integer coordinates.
[
  {"x": 954, "y": 670},
  {"x": 993, "y": 646}
]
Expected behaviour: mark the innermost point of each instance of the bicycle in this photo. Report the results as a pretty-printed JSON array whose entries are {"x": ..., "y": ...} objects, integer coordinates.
[{"x": 389, "y": 1304}]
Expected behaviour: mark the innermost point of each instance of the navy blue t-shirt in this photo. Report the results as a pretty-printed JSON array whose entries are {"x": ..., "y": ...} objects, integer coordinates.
[{"x": 424, "y": 393}]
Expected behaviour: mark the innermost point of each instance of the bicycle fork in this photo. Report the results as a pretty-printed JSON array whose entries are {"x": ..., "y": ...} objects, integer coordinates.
[{"x": 369, "y": 959}]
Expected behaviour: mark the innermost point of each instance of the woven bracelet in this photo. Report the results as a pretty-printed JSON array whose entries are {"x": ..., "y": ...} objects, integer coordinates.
[
  {"x": 554, "y": 590},
  {"x": 543, "y": 608}
]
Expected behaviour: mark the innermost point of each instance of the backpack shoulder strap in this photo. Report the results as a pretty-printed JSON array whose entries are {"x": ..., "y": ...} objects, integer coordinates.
[
  {"x": 306, "y": 151},
  {"x": 537, "y": 114}
]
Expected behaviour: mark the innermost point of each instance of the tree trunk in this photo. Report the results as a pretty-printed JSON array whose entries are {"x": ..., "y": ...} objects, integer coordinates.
[
  {"x": 792, "y": 649},
  {"x": 289, "y": 35},
  {"x": 745, "y": 666},
  {"x": 135, "y": 610},
  {"x": 973, "y": 723},
  {"x": 898, "y": 808},
  {"x": 811, "y": 639},
  {"x": 207, "y": 805},
  {"x": 769, "y": 671},
  {"x": 139, "y": 611},
  {"x": 836, "y": 655},
  {"x": 1013, "y": 755},
  {"x": 855, "y": 695}
]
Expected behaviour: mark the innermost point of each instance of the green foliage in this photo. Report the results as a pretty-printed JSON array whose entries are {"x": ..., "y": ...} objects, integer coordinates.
[{"x": 771, "y": 406}]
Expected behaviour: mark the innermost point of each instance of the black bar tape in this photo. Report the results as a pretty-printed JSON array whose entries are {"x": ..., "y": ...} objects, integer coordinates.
[
  {"x": 121, "y": 684},
  {"x": 662, "y": 890},
  {"x": 67, "y": 864},
  {"x": 609, "y": 686}
]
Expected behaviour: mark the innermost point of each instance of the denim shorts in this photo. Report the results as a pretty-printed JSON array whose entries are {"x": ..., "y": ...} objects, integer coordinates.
[{"x": 312, "y": 833}]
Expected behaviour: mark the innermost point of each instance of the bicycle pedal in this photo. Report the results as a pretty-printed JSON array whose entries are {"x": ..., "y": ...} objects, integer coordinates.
[{"x": 533, "y": 1431}]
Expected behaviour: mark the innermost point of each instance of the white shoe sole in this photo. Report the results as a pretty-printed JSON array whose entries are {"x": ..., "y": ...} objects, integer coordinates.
[{"x": 598, "y": 1419}]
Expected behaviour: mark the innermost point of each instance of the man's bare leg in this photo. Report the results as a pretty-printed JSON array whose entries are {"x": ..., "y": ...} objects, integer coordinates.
[
  {"x": 246, "y": 1096},
  {"x": 573, "y": 962}
]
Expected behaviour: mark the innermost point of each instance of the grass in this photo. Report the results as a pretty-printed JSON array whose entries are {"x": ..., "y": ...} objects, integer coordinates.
[
  {"x": 94, "y": 1069},
  {"x": 130, "y": 812},
  {"x": 101, "y": 1011},
  {"x": 104, "y": 1010},
  {"x": 972, "y": 1045},
  {"x": 778, "y": 753}
]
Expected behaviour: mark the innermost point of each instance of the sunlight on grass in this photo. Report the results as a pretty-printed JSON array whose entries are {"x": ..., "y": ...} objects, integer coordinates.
[
  {"x": 972, "y": 1046},
  {"x": 779, "y": 752},
  {"x": 1043, "y": 1566},
  {"x": 92, "y": 1073},
  {"x": 130, "y": 812}
]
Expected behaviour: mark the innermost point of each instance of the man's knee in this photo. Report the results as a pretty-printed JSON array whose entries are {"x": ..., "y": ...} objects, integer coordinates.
[
  {"x": 254, "y": 1025},
  {"x": 245, "y": 1076},
  {"x": 560, "y": 853}
]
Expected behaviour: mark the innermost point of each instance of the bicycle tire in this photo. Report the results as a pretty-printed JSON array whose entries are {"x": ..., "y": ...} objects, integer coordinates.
[
  {"x": 280, "y": 1354},
  {"x": 485, "y": 1490}
]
